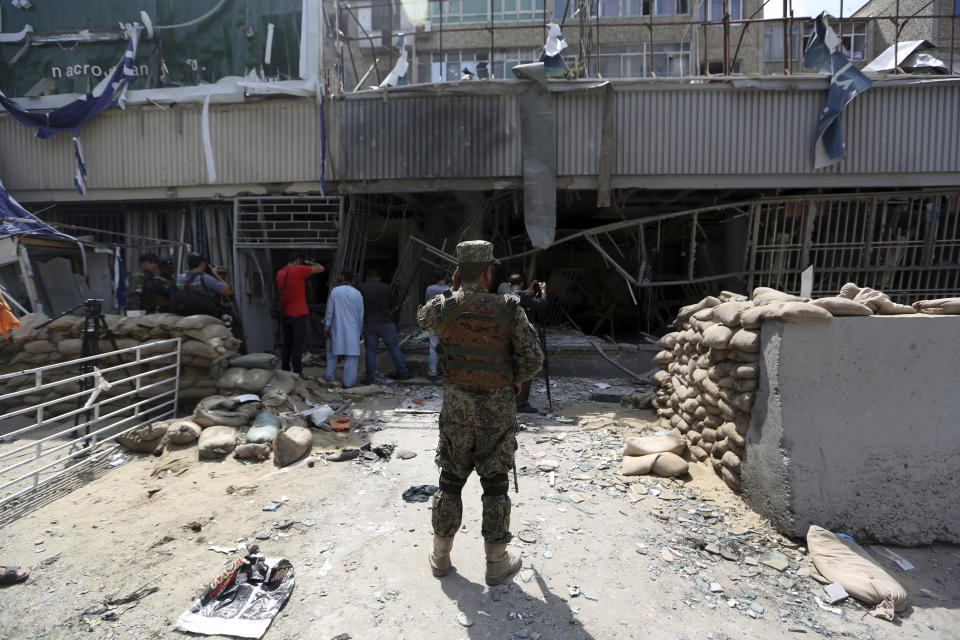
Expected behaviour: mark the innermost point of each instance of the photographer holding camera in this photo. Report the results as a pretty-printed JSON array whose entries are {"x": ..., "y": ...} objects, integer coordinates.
[
  {"x": 533, "y": 300},
  {"x": 201, "y": 289}
]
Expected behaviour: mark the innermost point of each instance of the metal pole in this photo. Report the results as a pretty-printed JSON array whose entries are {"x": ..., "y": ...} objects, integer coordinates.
[
  {"x": 953, "y": 36},
  {"x": 726, "y": 37},
  {"x": 597, "y": 18},
  {"x": 443, "y": 62},
  {"x": 786, "y": 43},
  {"x": 490, "y": 57},
  {"x": 896, "y": 40},
  {"x": 840, "y": 26}
]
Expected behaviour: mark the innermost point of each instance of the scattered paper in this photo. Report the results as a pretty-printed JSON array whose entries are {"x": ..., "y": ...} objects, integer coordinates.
[
  {"x": 902, "y": 562},
  {"x": 826, "y": 607}
]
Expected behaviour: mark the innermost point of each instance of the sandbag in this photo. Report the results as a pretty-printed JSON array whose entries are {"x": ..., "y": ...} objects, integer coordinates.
[
  {"x": 940, "y": 306},
  {"x": 217, "y": 441},
  {"x": 745, "y": 340},
  {"x": 283, "y": 382},
  {"x": 183, "y": 431},
  {"x": 70, "y": 346},
  {"x": 254, "y": 380},
  {"x": 291, "y": 445},
  {"x": 197, "y": 349},
  {"x": 28, "y": 327},
  {"x": 209, "y": 332},
  {"x": 39, "y": 346},
  {"x": 666, "y": 465},
  {"x": 784, "y": 311},
  {"x": 256, "y": 361},
  {"x": 198, "y": 321},
  {"x": 880, "y": 303},
  {"x": 728, "y": 313},
  {"x": 663, "y": 358},
  {"x": 264, "y": 429},
  {"x": 669, "y": 340},
  {"x": 686, "y": 312},
  {"x": 253, "y": 451},
  {"x": 146, "y": 439},
  {"x": 653, "y": 444},
  {"x": 844, "y": 561},
  {"x": 717, "y": 337},
  {"x": 840, "y": 306},
  {"x": 225, "y": 411},
  {"x": 230, "y": 380},
  {"x": 766, "y": 295}
]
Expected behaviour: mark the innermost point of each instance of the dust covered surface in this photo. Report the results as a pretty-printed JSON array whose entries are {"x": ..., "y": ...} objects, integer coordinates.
[{"x": 608, "y": 557}]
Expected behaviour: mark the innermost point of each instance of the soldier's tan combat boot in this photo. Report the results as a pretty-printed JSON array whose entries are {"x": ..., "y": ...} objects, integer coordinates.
[
  {"x": 500, "y": 562},
  {"x": 440, "y": 556}
]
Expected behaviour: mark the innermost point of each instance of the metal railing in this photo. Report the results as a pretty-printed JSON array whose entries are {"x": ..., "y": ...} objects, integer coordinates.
[
  {"x": 369, "y": 48},
  {"x": 58, "y": 420}
]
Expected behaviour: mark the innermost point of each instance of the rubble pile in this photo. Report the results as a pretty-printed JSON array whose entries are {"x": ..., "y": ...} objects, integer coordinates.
[
  {"x": 206, "y": 341},
  {"x": 710, "y": 363}
]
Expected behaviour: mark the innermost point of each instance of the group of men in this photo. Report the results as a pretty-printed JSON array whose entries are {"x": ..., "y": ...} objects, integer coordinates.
[
  {"x": 199, "y": 289},
  {"x": 351, "y": 312}
]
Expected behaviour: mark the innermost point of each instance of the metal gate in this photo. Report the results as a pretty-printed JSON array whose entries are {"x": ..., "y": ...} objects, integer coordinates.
[{"x": 57, "y": 418}]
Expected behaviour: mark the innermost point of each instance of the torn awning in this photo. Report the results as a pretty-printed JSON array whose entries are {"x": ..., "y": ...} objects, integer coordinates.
[
  {"x": 15, "y": 220},
  {"x": 846, "y": 82},
  {"x": 72, "y": 116}
]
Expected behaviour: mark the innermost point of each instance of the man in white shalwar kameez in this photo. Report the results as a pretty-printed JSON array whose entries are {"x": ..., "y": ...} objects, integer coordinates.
[{"x": 343, "y": 326}]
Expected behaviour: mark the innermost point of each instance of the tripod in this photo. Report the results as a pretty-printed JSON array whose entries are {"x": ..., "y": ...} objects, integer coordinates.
[{"x": 94, "y": 323}]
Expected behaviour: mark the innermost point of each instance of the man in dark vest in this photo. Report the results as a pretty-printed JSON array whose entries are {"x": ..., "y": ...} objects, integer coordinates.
[{"x": 488, "y": 349}]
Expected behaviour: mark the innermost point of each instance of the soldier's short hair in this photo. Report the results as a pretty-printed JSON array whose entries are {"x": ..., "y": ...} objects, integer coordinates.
[
  {"x": 515, "y": 279},
  {"x": 148, "y": 257},
  {"x": 194, "y": 260}
]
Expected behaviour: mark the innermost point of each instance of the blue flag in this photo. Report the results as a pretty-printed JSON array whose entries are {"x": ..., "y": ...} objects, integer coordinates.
[
  {"x": 71, "y": 117},
  {"x": 846, "y": 81}
]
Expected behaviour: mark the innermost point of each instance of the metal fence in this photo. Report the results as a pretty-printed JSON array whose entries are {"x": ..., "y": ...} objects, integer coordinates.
[{"x": 61, "y": 416}]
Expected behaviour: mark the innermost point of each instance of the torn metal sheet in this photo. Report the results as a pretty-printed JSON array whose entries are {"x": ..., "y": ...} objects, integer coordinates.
[
  {"x": 903, "y": 50},
  {"x": 538, "y": 122}
]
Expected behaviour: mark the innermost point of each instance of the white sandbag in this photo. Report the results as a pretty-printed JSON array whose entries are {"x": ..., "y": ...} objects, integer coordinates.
[
  {"x": 208, "y": 333},
  {"x": 745, "y": 340},
  {"x": 198, "y": 321},
  {"x": 146, "y": 439},
  {"x": 766, "y": 295},
  {"x": 839, "y": 306},
  {"x": 784, "y": 311},
  {"x": 291, "y": 445},
  {"x": 689, "y": 310},
  {"x": 217, "y": 441},
  {"x": 28, "y": 327},
  {"x": 663, "y": 358},
  {"x": 728, "y": 313},
  {"x": 669, "y": 340},
  {"x": 183, "y": 431},
  {"x": 843, "y": 560},
  {"x": 253, "y": 451},
  {"x": 940, "y": 306},
  {"x": 717, "y": 337},
  {"x": 666, "y": 465},
  {"x": 653, "y": 444},
  {"x": 230, "y": 380}
]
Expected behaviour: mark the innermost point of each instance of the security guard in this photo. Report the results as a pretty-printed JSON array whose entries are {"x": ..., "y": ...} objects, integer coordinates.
[
  {"x": 142, "y": 296},
  {"x": 488, "y": 348},
  {"x": 164, "y": 282}
]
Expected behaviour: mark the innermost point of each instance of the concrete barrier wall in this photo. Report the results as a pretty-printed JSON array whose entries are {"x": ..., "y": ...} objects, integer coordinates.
[{"x": 856, "y": 428}]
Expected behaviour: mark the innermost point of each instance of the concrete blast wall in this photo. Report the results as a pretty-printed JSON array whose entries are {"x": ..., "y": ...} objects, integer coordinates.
[{"x": 856, "y": 428}]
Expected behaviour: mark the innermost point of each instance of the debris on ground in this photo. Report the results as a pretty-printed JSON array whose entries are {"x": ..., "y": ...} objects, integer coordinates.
[{"x": 420, "y": 493}]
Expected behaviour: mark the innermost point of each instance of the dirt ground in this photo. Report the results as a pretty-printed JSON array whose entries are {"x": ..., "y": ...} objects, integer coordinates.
[{"x": 607, "y": 559}]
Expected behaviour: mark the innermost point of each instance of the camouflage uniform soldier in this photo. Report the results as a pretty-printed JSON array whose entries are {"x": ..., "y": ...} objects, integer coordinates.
[
  {"x": 164, "y": 283},
  {"x": 488, "y": 348},
  {"x": 142, "y": 296}
]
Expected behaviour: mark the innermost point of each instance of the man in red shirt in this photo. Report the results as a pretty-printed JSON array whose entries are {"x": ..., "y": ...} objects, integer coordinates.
[{"x": 291, "y": 281}]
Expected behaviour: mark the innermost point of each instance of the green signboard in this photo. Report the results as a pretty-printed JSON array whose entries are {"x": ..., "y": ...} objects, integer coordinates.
[{"x": 75, "y": 43}]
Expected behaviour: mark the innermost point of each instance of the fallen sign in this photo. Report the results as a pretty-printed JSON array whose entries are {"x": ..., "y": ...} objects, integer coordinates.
[{"x": 243, "y": 600}]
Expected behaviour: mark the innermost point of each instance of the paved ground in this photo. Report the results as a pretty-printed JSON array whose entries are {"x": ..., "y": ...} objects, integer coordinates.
[{"x": 636, "y": 555}]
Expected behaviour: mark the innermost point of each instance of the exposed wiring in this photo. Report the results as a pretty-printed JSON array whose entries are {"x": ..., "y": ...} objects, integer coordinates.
[{"x": 195, "y": 20}]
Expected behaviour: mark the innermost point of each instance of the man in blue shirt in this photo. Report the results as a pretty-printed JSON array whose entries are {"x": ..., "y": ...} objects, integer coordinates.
[{"x": 200, "y": 290}]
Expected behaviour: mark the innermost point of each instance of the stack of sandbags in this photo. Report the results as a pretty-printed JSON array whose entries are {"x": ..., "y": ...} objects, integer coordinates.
[
  {"x": 940, "y": 306},
  {"x": 206, "y": 341},
  {"x": 710, "y": 369}
]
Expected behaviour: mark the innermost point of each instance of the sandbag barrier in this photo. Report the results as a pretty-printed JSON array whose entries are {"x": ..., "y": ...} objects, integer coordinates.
[
  {"x": 206, "y": 342},
  {"x": 709, "y": 365}
]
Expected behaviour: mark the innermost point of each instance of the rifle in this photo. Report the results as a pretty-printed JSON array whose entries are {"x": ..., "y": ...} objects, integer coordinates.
[{"x": 542, "y": 334}]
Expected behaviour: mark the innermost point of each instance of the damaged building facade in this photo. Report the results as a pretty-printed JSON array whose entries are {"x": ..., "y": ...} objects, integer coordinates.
[{"x": 630, "y": 196}]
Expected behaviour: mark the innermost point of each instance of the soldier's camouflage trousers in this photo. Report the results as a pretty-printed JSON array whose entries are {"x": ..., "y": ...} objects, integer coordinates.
[{"x": 460, "y": 451}]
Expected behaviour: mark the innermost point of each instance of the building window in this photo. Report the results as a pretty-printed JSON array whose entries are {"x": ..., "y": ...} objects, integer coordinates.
[
  {"x": 465, "y": 11},
  {"x": 773, "y": 42},
  {"x": 712, "y": 10},
  {"x": 618, "y": 8},
  {"x": 449, "y": 67},
  {"x": 671, "y": 7},
  {"x": 854, "y": 40},
  {"x": 633, "y": 60}
]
